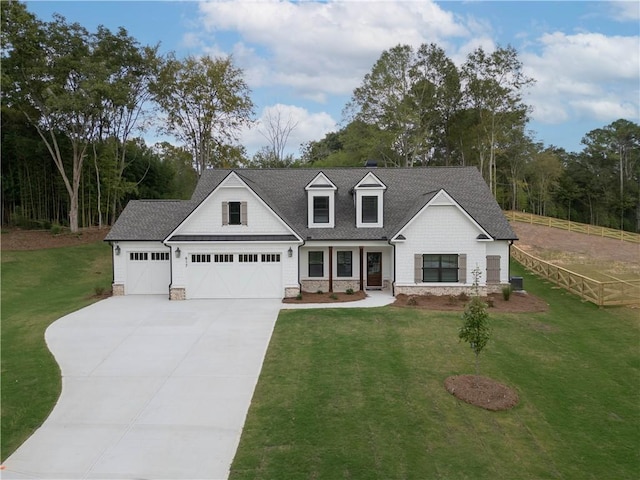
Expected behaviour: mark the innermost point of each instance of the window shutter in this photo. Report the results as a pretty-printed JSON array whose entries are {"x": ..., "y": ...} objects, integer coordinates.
[
  {"x": 493, "y": 268},
  {"x": 243, "y": 213},
  {"x": 417, "y": 265},
  {"x": 462, "y": 268},
  {"x": 225, "y": 213}
]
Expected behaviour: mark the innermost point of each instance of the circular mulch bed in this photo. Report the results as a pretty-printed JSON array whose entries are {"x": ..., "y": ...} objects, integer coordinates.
[{"x": 482, "y": 392}]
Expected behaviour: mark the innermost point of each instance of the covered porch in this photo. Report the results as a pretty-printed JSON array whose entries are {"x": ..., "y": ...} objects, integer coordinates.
[{"x": 335, "y": 267}]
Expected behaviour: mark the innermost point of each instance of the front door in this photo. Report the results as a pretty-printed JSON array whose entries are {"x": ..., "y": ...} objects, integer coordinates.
[{"x": 374, "y": 269}]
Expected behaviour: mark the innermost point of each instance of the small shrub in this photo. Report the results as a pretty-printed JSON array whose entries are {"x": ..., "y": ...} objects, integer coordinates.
[
  {"x": 299, "y": 296},
  {"x": 490, "y": 303},
  {"x": 349, "y": 291},
  {"x": 412, "y": 301},
  {"x": 506, "y": 293},
  {"x": 99, "y": 290},
  {"x": 319, "y": 292},
  {"x": 56, "y": 229},
  {"x": 333, "y": 296}
]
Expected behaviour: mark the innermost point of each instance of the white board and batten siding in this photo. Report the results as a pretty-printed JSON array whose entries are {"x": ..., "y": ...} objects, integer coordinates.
[
  {"x": 144, "y": 268},
  {"x": 214, "y": 269},
  {"x": 444, "y": 229}
]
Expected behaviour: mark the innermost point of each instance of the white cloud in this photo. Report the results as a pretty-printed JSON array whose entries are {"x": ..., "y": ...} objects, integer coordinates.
[
  {"x": 308, "y": 126},
  {"x": 323, "y": 47},
  {"x": 586, "y": 75},
  {"x": 625, "y": 11}
]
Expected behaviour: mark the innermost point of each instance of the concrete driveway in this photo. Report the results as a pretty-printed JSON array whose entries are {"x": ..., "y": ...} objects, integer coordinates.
[{"x": 150, "y": 389}]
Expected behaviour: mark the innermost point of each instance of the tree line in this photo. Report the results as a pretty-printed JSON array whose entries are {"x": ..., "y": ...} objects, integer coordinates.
[{"x": 75, "y": 105}]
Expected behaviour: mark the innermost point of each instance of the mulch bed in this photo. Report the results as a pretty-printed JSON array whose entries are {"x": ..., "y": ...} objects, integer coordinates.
[
  {"x": 482, "y": 392},
  {"x": 518, "y": 302},
  {"x": 340, "y": 297}
]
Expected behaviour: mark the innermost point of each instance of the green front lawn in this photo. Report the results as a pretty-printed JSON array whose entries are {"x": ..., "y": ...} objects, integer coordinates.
[
  {"x": 39, "y": 287},
  {"x": 359, "y": 394}
]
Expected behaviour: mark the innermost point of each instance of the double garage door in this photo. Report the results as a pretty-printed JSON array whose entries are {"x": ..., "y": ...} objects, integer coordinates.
[{"x": 234, "y": 275}]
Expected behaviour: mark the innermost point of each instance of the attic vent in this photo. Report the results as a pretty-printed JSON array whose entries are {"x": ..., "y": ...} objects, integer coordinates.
[
  {"x": 371, "y": 164},
  {"x": 482, "y": 236}
]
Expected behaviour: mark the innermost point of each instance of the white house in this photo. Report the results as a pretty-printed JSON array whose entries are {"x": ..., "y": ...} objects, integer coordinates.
[{"x": 271, "y": 233}]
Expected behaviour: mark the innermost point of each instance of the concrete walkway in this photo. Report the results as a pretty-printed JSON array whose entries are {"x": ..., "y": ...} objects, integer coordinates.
[
  {"x": 375, "y": 298},
  {"x": 150, "y": 389}
]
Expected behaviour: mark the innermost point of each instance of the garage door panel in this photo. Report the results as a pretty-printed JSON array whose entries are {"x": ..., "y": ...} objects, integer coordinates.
[
  {"x": 148, "y": 273},
  {"x": 248, "y": 279}
]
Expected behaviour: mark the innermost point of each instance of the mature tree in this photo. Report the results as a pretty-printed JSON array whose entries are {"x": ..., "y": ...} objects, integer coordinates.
[
  {"x": 493, "y": 89},
  {"x": 275, "y": 128},
  {"x": 206, "y": 102},
  {"x": 387, "y": 99},
  {"x": 543, "y": 173},
  {"x": 614, "y": 152},
  {"x": 52, "y": 76},
  {"x": 129, "y": 70}
]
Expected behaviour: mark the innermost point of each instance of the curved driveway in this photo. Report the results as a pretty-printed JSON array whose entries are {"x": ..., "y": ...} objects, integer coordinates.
[{"x": 150, "y": 389}]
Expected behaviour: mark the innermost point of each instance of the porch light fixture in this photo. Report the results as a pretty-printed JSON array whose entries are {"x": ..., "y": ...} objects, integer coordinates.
[
  {"x": 290, "y": 252},
  {"x": 178, "y": 252},
  {"x": 117, "y": 250}
]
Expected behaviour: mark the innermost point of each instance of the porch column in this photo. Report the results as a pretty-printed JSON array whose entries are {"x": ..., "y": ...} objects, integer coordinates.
[
  {"x": 362, "y": 268},
  {"x": 330, "y": 269}
]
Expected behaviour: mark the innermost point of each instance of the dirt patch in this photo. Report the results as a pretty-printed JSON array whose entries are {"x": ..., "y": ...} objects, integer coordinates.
[
  {"x": 17, "y": 239},
  {"x": 519, "y": 302},
  {"x": 482, "y": 392},
  {"x": 337, "y": 297},
  {"x": 536, "y": 238}
]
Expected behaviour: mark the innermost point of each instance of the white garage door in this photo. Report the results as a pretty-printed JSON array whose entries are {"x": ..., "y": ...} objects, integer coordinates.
[
  {"x": 226, "y": 275},
  {"x": 148, "y": 273}
]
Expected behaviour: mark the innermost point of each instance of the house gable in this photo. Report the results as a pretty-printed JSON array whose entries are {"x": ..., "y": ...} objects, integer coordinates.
[
  {"x": 217, "y": 216},
  {"x": 443, "y": 199}
]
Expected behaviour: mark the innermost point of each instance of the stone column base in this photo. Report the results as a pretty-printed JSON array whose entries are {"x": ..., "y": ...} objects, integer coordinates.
[
  {"x": 117, "y": 289},
  {"x": 177, "y": 293}
]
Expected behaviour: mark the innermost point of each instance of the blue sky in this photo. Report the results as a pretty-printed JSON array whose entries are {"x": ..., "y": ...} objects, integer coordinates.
[{"x": 305, "y": 58}]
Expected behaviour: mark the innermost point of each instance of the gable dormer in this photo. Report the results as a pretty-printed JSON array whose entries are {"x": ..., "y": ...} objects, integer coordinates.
[
  {"x": 321, "y": 201},
  {"x": 369, "y": 202}
]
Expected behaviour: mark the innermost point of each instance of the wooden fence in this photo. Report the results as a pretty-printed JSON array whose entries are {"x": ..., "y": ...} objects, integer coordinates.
[
  {"x": 573, "y": 226},
  {"x": 622, "y": 292}
]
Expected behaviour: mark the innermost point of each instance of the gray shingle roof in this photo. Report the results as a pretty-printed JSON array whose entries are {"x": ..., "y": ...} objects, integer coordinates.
[{"x": 408, "y": 190}]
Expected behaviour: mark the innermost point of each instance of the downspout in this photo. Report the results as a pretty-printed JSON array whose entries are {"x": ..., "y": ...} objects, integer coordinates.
[
  {"x": 330, "y": 269},
  {"x": 299, "y": 279},
  {"x": 113, "y": 266},
  {"x": 170, "y": 269},
  {"x": 509, "y": 264},
  {"x": 393, "y": 283}
]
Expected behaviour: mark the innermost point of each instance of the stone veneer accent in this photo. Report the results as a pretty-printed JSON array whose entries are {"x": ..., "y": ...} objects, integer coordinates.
[
  {"x": 344, "y": 285},
  {"x": 117, "y": 289},
  {"x": 177, "y": 293},
  {"x": 447, "y": 290},
  {"x": 291, "y": 292},
  {"x": 313, "y": 286}
]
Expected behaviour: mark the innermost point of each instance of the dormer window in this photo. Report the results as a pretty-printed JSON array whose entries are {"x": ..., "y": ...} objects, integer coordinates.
[
  {"x": 320, "y": 209},
  {"x": 321, "y": 202},
  {"x": 234, "y": 213},
  {"x": 369, "y": 198},
  {"x": 369, "y": 209}
]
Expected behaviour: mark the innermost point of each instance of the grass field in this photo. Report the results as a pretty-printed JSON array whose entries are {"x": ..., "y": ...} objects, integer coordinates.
[
  {"x": 359, "y": 394},
  {"x": 39, "y": 287}
]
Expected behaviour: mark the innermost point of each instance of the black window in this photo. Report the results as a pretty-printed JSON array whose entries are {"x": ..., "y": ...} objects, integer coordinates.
[
  {"x": 316, "y": 264},
  {"x": 320, "y": 209},
  {"x": 234, "y": 213},
  {"x": 369, "y": 209},
  {"x": 440, "y": 268},
  {"x": 344, "y": 264}
]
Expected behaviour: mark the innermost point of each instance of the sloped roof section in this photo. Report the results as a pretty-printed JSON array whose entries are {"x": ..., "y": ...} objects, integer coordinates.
[
  {"x": 148, "y": 219},
  {"x": 408, "y": 190}
]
